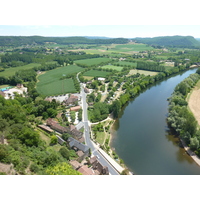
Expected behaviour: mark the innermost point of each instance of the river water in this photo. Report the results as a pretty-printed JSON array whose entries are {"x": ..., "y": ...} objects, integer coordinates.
[{"x": 142, "y": 138}]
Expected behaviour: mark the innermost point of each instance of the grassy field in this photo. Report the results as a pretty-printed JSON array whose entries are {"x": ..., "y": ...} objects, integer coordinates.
[
  {"x": 88, "y": 77},
  {"x": 96, "y": 73},
  {"x": 146, "y": 73},
  {"x": 50, "y": 83},
  {"x": 11, "y": 71},
  {"x": 113, "y": 67},
  {"x": 125, "y": 63},
  {"x": 92, "y": 61},
  {"x": 130, "y": 48},
  {"x": 100, "y": 136}
]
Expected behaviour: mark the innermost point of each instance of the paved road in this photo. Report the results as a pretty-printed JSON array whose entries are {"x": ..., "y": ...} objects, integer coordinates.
[{"x": 88, "y": 141}]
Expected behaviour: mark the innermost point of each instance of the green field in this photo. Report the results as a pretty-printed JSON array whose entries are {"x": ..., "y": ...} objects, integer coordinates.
[
  {"x": 112, "y": 67},
  {"x": 50, "y": 83},
  {"x": 130, "y": 48},
  {"x": 125, "y": 63},
  {"x": 146, "y": 73},
  {"x": 96, "y": 73},
  {"x": 92, "y": 61},
  {"x": 11, "y": 71}
]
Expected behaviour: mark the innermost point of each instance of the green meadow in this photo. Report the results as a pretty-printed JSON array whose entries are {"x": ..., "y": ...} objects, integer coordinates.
[
  {"x": 112, "y": 67},
  {"x": 96, "y": 73},
  {"x": 50, "y": 83},
  {"x": 92, "y": 61}
]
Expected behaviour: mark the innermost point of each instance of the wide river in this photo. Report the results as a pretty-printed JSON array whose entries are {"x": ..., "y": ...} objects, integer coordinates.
[{"x": 142, "y": 138}]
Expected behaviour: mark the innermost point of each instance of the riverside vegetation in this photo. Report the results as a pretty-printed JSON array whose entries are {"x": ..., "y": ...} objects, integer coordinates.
[
  {"x": 30, "y": 150},
  {"x": 180, "y": 118}
]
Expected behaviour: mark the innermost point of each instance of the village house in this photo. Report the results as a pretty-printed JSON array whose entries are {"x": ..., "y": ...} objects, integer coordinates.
[
  {"x": 76, "y": 133},
  {"x": 46, "y": 128},
  {"x": 85, "y": 170},
  {"x": 55, "y": 126},
  {"x": 86, "y": 90},
  {"x": 76, "y": 108},
  {"x": 81, "y": 149},
  {"x": 71, "y": 100},
  {"x": 75, "y": 164},
  {"x": 98, "y": 168},
  {"x": 101, "y": 79}
]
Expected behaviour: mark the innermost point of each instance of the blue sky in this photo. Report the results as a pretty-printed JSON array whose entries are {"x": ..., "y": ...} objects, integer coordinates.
[{"x": 127, "y": 31}]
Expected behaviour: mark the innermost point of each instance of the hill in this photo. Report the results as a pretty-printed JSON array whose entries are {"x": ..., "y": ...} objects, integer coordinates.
[
  {"x": 24, "y": 40},
  {"x": 170, "y": 41}
]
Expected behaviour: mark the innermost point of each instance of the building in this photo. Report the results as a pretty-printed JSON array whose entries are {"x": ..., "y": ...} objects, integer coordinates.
[
  {"x": 98, "y": 168},
  {"x": 71, "y": 100},
  {"x": 46, "y": 128},
  {"x": 75, "y": 164},
  {"x": 101, "y": 79},
  {"x": 85, "y": 170},
  {"x": 76, "y": 108},
  {"x": 81, "y": 149},
  {"x": 86, "y": 90},
  {"x": 57, "y": 127}
]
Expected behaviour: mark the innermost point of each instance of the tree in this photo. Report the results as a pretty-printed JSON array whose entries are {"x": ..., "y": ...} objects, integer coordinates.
[
  {"x": 62, "y": 169},
  {"x": 54, "y": 140},
  {"x": 65, "y": 152},
  {"x": 116, "y": 107},
  {"x": 194, "y": 143}
]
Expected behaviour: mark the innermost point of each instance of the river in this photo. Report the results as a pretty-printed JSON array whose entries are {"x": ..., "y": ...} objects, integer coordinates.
[{"x": 142, "y": 138}]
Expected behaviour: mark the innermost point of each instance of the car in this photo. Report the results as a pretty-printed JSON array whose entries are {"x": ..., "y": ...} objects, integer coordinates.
[{"x": 97, "y": 156}]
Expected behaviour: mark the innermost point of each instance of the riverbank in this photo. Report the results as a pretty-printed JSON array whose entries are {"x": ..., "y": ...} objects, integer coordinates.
[{"x": 190, "y": 152}]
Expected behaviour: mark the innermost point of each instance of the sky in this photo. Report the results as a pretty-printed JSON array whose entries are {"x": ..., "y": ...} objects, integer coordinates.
[
  {"x": 109, "y": 18},
  {"x": 113, "y": 31}
]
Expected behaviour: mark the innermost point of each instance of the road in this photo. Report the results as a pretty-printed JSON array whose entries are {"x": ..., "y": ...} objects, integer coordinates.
[{"x": 88, "y": 141}]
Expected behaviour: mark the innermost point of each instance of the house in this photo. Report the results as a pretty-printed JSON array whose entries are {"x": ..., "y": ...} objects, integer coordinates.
[
  {"x": 85, "y": 170},
  {"x": 101, "y": 79},
  {"x": 45, "y": 128},
  {"x": 57, "y": 127},
  {"x": 75, "y": 164},
  {"x": 76, "y": 108},
  {"x": 86, "y": 90},
  {"x": 71, "y": 100},
  {"x": 78, "y": 146},
  {"x": 98, "y": 168}
]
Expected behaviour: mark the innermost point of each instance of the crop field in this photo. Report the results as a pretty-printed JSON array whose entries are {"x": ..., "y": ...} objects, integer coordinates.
[
  {"x": 131, "y": 48},
  {"x": 125, "y": 63},
  {"x": 50, "y": 83},
  {"x": 146, "y": 73},
  {"x": 92, "y": 61},
  {"x": 113, "y": 67},
  {"x": 11, "y": 71},
  {"x": 96, "y": 73}
]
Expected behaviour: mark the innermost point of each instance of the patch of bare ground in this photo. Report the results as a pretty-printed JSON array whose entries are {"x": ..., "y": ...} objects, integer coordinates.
[
  {"x": 8, "y": 169},
  {"x": 194, "y": 104}
]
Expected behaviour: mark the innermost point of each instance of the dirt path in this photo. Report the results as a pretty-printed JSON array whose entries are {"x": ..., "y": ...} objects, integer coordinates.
[{"x": 194, "y": 103}]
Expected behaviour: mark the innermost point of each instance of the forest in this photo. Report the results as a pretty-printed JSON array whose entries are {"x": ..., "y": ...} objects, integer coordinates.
[{"x": 32, "y": 40}]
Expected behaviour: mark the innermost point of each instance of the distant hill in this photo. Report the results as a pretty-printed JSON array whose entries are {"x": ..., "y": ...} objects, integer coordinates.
[
  {"x": 170, "y": 41},
  {"x": 24, "y": 40}
]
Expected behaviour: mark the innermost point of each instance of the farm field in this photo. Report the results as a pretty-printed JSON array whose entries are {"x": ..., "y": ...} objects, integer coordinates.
[
  {"x": 88, "y": 77},
  {"x": 50, "y": 83},
  {"x": 125, "y": 63},
  {"x": 129, "y": 48},
  {"x": 92, "y": 61},
  {"x": 113, "y": 67},
  {"x": 146, "y": 73},
  {"x": 96, "y": 73},
  {"x": 11, "y": 71}
]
